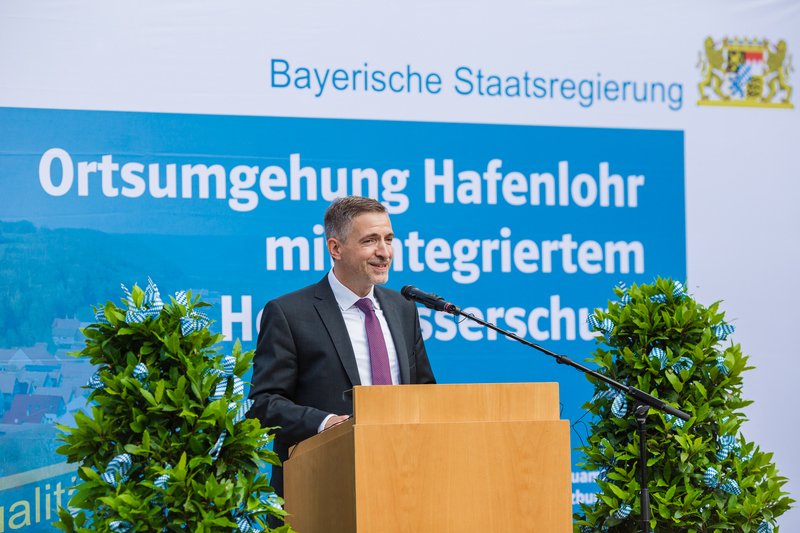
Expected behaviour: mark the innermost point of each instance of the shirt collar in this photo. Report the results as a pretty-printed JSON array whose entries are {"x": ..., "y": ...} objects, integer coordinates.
[{"x": 347, "y": 298}]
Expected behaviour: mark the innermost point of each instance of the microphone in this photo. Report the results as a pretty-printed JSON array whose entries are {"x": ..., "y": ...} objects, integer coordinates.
[{"x": 429, "y": 300}]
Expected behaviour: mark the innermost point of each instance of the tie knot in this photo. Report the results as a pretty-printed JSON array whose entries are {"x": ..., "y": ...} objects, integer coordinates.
[{"x": 365, "y": 304}]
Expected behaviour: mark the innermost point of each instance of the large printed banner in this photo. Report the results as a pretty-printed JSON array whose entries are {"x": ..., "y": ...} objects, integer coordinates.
[{"x": 527, "y": 227}]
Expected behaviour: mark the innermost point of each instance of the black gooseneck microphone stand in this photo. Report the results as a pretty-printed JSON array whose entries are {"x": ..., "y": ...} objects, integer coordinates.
[{"x": 644, "y": 401}]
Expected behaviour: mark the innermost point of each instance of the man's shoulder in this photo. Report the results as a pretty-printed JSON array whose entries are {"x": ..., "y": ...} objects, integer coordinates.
[
  {"x": 306, "y": 294},
  {"x": 322, "y": 290},
  {"x": 389, "y": 293},
  {"x": 392, "y": 296}
]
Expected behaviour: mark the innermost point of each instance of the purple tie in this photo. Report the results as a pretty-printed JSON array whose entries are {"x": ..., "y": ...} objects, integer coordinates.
[{"x": 378, "y": 355}]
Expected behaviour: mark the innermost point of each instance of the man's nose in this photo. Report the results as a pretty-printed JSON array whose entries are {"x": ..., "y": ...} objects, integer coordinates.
[{"x": 384, "y": 248}]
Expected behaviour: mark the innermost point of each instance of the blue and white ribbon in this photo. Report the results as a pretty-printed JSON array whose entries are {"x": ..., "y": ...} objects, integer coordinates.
[
  {"x": 626, "y": 299},
  {"x": 120, "y": 526},
  {"x": 623, "y": 511},
  {"x": 152, "y": 299},
  {"x": 128, "y": 297},
  {"x": 711, "y": 478},
  {"x": 141, "y": 372},
  {"x": 603, "y": 446},
  {"x": 677, "y": 290},
  {"x": 247, "y": 524},
  {"x": 731, "y": 487},
  {"x": 196, "y": 321},
  {"x": 606, "y": 326},
  {"x": 214, "y": 451},
  {"x": 659, "y": 298},
  {"x": 603, "y": 474},
  {"x": 240, "y": 415},
  {"x": 684, "y": 363},
  {"x": 150, "y": 308},
  {"x": 726, "y": 445},
  {"x": 96, "y": 382},
  {"x": 135, "y": 315},
  {"x": 723, "y": 330},
  {"x": 764, "y": 527},
  {"x": 120, "y": 464},
  {"x": 737, "y": 451},
  {"x": 661, "y": 355},
  {"x": 272, "y": 501},
  {"x": 619, "y": 405},
  {"x": 228, "y": 365},
  {"x": 264, "y": 439},
  {"x": 100, "y": 317},
  {"x": 161, "y": 482},
  {"x": 678, "y": 423},
  {"x": 721, "y": 366},
  {"x": 180, "y": 297},
  {"x": 245, "y": 520}
]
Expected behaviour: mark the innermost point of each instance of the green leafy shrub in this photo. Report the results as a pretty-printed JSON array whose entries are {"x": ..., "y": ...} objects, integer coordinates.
[
  {"x": 167, "y": 447},
  {"x": 703, "y": 475}
]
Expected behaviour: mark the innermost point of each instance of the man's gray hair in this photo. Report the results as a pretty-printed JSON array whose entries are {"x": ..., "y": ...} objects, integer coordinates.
[{"x": 340, "y": 214}]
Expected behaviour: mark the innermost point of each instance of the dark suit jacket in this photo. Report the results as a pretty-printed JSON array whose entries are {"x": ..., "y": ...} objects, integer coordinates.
[{"x": 304, "y": 361}]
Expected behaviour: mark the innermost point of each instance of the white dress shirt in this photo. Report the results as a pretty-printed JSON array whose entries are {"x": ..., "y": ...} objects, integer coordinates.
[{"x": 354, "y": 320}]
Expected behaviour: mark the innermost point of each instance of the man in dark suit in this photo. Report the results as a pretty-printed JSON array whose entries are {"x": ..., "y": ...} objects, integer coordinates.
[{"x": 344, "y": 331}]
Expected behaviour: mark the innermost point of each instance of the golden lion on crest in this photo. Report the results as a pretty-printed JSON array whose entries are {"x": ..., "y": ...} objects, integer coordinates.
[{"x": 738, "y": 71}]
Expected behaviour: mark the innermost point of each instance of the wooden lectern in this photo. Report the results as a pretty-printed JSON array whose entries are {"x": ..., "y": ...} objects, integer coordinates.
[{"x": 423, "y": 458}]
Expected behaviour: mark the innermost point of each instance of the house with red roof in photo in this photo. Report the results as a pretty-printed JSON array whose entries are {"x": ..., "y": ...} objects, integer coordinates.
[{"x": 34, "y": 409}]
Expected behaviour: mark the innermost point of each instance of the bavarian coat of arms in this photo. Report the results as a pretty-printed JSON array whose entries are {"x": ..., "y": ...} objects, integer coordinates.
[{"x": 745, "y": 72}]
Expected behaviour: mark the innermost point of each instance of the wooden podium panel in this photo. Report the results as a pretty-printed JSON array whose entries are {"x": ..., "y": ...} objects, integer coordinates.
[
  {"x": 491, "y": 402},
  {"x": 319, "y": 482},
  {"x": 505, "y": 476},
  {"x": 422, "y": 458}
]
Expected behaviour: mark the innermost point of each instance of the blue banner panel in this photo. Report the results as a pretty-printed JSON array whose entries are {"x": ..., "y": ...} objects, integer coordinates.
[{"x": 527, "y": 227}]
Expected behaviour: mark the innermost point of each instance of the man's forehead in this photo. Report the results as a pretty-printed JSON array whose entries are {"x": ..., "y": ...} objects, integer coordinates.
[{"x": 368, "y": 223}]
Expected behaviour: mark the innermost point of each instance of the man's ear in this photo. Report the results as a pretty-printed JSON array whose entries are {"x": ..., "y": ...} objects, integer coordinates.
[{"x": 335, "y": 248}]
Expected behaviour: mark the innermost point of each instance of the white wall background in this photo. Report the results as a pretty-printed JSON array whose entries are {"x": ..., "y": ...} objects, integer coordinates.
[{"x": 214, "y": 57}]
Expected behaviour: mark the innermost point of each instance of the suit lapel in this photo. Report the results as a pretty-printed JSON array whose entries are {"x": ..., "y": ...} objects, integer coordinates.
[
  {"x": 396, "y": 329},
  {"x": 331, "y": 316}
]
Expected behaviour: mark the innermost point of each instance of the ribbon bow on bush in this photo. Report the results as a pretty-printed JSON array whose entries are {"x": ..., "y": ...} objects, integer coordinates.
[
  {"x": 245, "y": 520},
  {"x": 712, "y": 478},
  {"x": 228, "y": 365},
  {"x": 120, "y": 464},
  {"x": 619, "y": 405},
  {"x": 120, "y": 526},
  {"x": 623, "y": 511},
  {"x": 728, "y": 444},
  {"x": 151, "y": 304},
  {"x": 240, "y": 415},
  {"x": 606, "y": 326},
  {"x": 140, "y": 372},
  {"x": 195, "y": 321},
  {"x": 679, "y": 422},
  {"x": 684, "y": 363},
  {"x": 723, "y": 330},
  {"x": 661, "y": 355}
]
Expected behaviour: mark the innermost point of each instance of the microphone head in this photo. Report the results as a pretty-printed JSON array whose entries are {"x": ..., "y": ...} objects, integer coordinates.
[{"x": 407, "y": 291}]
